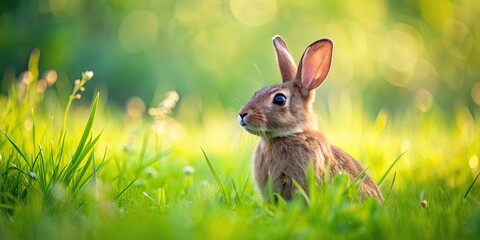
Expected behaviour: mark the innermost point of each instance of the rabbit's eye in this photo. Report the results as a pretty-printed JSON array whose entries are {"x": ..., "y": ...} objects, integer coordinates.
[{"x": 279, "y": 99}]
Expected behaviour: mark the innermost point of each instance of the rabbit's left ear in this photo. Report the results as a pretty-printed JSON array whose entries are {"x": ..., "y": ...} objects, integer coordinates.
[
  {"x": 286, "y": 64},
  {"x": 315, "y": 64}
]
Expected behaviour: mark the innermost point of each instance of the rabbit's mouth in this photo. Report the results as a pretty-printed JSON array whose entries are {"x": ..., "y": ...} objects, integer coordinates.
[
  {"x": 265, "y": 132},
  {"x": 262, "y": 132},
  {"x": 249, "y": 128}
]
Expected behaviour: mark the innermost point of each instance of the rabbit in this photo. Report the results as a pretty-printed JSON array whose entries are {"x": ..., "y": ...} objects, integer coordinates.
[{"x": 283, "y": 116}]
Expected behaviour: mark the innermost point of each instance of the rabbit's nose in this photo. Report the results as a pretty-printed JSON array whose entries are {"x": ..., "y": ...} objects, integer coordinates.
[{"x": 240, "y": 119}]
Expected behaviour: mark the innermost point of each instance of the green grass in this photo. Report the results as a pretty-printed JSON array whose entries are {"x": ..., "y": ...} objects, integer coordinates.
[{"x": 96, "y": 173}]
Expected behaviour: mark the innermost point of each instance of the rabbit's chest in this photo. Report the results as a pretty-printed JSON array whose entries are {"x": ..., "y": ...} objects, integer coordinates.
[{"x": 281, "y": 159}]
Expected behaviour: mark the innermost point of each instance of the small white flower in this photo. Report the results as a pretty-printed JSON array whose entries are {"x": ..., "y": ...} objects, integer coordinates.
[
  {"x": 88, "y": 75},
  {"x": 188, "y": 170}
]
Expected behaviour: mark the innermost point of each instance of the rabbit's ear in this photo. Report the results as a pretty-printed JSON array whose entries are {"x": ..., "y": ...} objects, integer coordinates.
[
  {"x": 315, "y": 64},
  {"x": 288, "y": 68}
]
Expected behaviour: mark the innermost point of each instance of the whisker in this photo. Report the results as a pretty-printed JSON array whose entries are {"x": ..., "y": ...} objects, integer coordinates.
[{"x": 260, "y": 72}]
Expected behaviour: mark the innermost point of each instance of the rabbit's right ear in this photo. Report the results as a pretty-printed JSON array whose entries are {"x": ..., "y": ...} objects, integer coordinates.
[
  {"x": 288, "y": 68},
  {"x": 315, "y": 64}
]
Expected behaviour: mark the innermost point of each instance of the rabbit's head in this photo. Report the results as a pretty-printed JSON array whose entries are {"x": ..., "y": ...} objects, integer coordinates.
[{"x": 286, "y": 108}]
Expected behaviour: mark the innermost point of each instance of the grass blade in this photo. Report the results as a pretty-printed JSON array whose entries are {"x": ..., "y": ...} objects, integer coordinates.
[
  {"x": 471, "y": 186},
  {"x": 391, "y": 185},
  {"x": 35, "y": 160},
  {"x": 86, "y": 131},
  {"x": 33, "y": 131},
  {"x": 391, "y": 166},
  {"x": 85, "y": 151},
  {"x": 245, "y": 186},
  {"x": 360, "y": 177},
  {"x": 76, "y": 184},
  {"x": 18, "y": 149},
  {"x": 125, "y": 189},
  {"x": 237, "y": 197},
  {"x": 212, "y": 170},
  {"x": 302, "y": 191}
]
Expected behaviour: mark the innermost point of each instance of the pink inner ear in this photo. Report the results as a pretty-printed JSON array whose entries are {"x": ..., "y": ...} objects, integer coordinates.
[{"x": 316, "y": 63}]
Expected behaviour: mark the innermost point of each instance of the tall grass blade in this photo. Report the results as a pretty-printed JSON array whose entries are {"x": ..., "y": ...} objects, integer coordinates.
[
  {"x": 212, "y": 170},
  {"x": 17, "y": 149},
  {"x": 76, "y": 184},
  {"x": 85, "y": 145},
  {"x": 35, "y": 160},
  {"x": 88, "y": 127},
  {"x": 391, "y": 166},
  {"x": 391, "y": 185},
  {"x": 471, "y": 186},
  {"x": 85, "y": 151},
  {"x": 237, "y": 197},
  {"x": 59, "y": 158},
  {"x": 42, "y": 173},
  {"x": 302, "y": 191},
  {"x": 245, "y": 186},
  {"x": 360, "y": 176},
  {"x": 125, "y": 189},
  {"x": 17, "y": 169},
  {"x": 33, "y": 132},
  {"x": 312, "y": 183}
]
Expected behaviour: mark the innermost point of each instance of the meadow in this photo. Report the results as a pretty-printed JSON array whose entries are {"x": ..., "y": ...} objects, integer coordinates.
[
  {"x": 85, "y": 171},
  {"x": 118, "y": 119}
]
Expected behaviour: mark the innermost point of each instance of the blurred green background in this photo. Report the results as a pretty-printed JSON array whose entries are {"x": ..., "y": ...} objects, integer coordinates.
[{"x": 396, "y": 54}]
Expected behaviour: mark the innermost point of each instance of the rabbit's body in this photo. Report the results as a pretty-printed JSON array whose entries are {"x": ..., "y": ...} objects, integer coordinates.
[
  {"x": 284, "y": 162},
  {"x": 283, "y": 117},
  {"x": 286, "y": 159}
]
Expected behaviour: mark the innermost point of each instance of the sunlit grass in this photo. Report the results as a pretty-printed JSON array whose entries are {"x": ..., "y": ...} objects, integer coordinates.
[{"x": 74, "y": 169}]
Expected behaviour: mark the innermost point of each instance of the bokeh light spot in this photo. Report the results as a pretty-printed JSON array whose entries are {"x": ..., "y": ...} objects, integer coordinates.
[
  {"x": 51, "y": 77},
  {"x": 135, "y": 107},
  {"x": 423, "y": 100},
  {"x": 42, "y": 85},
  {"x": 400, "y": 54},
  {"x": 254, "y": 12},
  {"x": 197, "y": 13},
  {"x": 458, "y": 38},
  {"x": 138, "y": 31},
  {"x": 473, "y": 162},
  {"x": 401, "y": 51}
]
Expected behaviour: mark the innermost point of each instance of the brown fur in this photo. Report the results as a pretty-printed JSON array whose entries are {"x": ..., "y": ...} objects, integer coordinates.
[{"x": 289, "y": 136}]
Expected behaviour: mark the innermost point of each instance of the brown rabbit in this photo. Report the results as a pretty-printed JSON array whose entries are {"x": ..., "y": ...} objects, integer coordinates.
[{"x": 283, "y": 117}]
